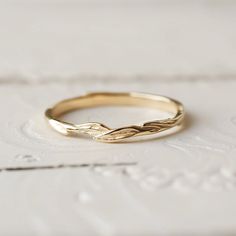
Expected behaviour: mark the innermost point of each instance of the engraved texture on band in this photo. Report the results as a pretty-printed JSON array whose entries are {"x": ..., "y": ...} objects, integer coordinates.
[{"x": 101, "y": 132}]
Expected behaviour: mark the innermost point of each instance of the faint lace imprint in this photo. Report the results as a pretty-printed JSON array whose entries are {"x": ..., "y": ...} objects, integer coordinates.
[
  {"x": 157, "y": 179},
  {"x": 219, "y": 179},
  {"x": 27, "y": 158}
]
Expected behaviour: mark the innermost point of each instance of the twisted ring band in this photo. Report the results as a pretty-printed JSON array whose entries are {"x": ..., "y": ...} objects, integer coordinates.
[{"x": 101, "y": 132}]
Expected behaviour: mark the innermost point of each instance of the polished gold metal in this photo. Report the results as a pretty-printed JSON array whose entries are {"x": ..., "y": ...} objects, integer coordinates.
[{"x": 103, "y": 133}]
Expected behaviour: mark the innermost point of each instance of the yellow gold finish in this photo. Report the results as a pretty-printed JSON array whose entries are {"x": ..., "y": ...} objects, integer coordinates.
[{"x": 103, "y": 133}]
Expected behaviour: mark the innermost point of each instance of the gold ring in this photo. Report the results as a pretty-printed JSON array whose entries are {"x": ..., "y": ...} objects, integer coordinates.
[{"x": 103, "y": 133}]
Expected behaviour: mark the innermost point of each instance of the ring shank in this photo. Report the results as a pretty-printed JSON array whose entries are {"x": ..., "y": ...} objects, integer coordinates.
[{"x": 103, "y": 133}]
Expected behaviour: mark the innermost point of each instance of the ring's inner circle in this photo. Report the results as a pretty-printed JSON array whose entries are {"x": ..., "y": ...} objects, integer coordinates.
[{"x": 115, "y": 116}]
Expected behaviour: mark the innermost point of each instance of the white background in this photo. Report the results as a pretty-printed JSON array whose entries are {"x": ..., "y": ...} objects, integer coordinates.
[{"x": 181, "y": 184}]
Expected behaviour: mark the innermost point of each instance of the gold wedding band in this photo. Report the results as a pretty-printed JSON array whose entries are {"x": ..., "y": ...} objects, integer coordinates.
[{"x": 103, "y": 133}]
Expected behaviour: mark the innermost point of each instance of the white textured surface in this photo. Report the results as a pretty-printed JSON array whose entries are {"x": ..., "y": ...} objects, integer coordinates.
[
  {"x": 182, "y": 184},
  {"x": 71, "y": 39}
]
